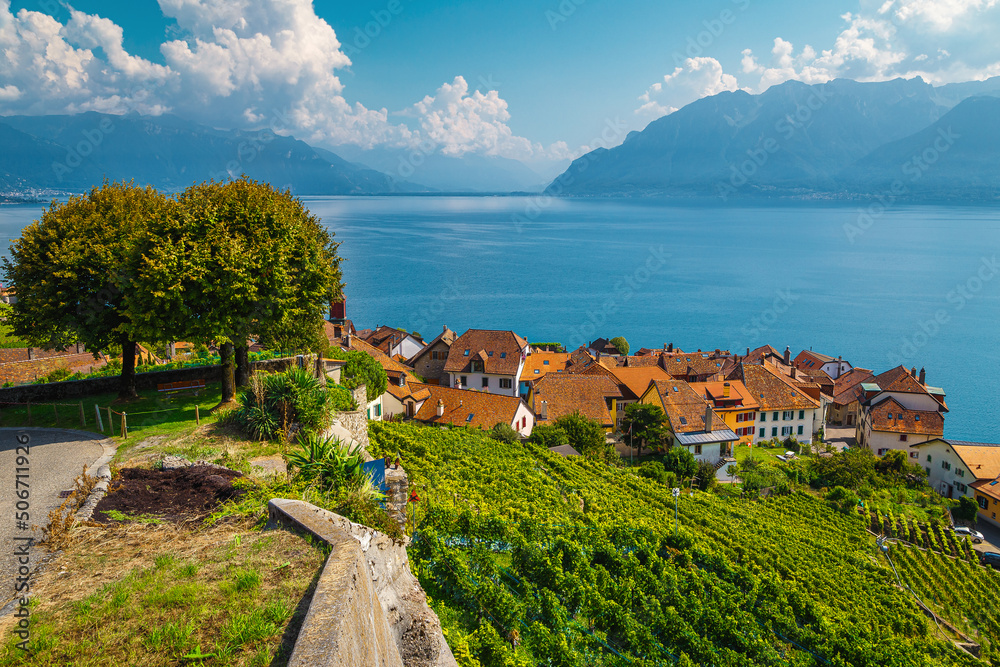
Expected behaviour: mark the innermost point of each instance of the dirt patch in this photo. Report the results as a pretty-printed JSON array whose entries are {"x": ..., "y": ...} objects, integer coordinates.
[{"x": 175, "y": 495}]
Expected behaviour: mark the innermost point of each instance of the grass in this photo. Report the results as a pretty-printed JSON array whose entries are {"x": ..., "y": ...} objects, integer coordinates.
[{"x": 160, "y": 595}]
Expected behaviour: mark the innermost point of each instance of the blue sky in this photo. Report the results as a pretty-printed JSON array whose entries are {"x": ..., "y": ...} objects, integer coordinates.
[{"x": 534, "y": 80}]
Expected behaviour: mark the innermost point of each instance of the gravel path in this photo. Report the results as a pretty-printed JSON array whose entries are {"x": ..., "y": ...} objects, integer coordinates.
[{"x": 55, "y": 459}]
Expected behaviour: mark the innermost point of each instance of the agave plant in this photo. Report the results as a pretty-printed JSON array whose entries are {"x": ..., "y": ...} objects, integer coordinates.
[{"x": 328, "y": 460}]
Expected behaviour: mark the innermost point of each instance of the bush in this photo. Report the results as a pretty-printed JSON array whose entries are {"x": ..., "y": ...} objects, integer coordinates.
[
  {"x": 842, "y": 499},
  {"x": 504, "y": 433},
  {"x": 654, "y": 470},
  {"x": 706, "y": 475},
  {"x": 680, "y": 461},
  {"x": 281, "y": 403},
  {"x": 548, "y": 436},
  {"x": 967, "y": 509},
  {"x": 585, "y": 435},
  {"x": 341, "y": 398},
  {"x": 362, "y": 369}
]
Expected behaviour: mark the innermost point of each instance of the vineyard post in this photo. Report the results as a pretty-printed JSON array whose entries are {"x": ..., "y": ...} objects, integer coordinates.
[{"x": 677, "y": 494}]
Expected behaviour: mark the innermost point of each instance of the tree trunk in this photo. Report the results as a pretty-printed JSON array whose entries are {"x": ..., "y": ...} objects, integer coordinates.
[
  {"x": 126, "y": 385},
  {"x": 242, "y": 365},
  {"x": 228, "y": 374}
]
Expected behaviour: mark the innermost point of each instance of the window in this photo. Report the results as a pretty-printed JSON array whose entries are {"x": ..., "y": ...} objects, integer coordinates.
[
  {"x": 928, "y": 470},
  {"x": 505, "y": 383},
  {"x": 774, "y": 417},
  {"x": 960, "y": 472},
  {"x": 378, "y": 410},
  {"x": 434, "y": 356},
  {"x": 774, "y": 432},
  {"x": 503, "y": 355},
  {"x": 524, "y": 422},
  {"x": 916, "y": 418},
  {"x": 469, "y": 418},
  {"x": 902, "y": 437},
  {"x": 983, "y": 502},
  {"x": 536, "y": 371},
  {"x": 545, "y": 362},
  {"x": 762, "y": 433},
  {"x": 928, "y": 458},
  {"x": 486, "y": 382},
  {"x": 465, "y": 381},
  {"x": 490, "y": 353},
  {"x": 786, "y": 430},
  {"x": 697, "y": 449},
  {"x": 763, "y": 416},
  {"x": 466, "y": 353},
  {"x": 368, "y": 413},
  {"x": 788, "y": 414},
  {"x": 945, "y": 465},
  {"x": 961, "y": 487},
  {"x": 890, "y": 416},
  {"x": 802, "y": 414},
  {"x": 800, "y": 430},
  {"x": 476, "y": 367},
  {"x": 913, "y": 455}
]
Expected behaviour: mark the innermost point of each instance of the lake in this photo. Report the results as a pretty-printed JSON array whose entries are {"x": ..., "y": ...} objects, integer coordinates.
[{"x": 916, "y": 285}]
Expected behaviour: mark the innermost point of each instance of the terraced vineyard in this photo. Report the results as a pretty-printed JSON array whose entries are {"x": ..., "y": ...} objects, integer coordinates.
[{"x": 532, "y": 558}]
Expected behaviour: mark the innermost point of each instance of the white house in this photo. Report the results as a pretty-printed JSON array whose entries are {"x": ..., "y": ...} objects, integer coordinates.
[
  {"x": 692, "y": 422},
  {"x": 834, "y": 367},
  {"x": 474, "y": 409},
  {"x": 487, "y": 360},
  {"x": 897, "y": 411},
  {"x": 785, "y": 411}
]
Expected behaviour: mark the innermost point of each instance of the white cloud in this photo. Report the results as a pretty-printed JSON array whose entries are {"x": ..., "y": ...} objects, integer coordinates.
[
  {"x": 699, "y": 77},
  {"x": 237, "y": 63},
  {"x": 457, "y": 121},
  {"x": 937, "y": 15}
]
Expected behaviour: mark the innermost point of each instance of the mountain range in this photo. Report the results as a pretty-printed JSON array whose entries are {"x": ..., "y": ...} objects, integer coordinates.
[{"x": 842, "y": 138}]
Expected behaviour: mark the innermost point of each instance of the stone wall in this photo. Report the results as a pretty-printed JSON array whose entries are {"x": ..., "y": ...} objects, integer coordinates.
[
  {"x": 368, "y": 608},
  {"x": 109, "y": 385}
]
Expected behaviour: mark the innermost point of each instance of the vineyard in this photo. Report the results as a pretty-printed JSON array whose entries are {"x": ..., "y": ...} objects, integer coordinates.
[{"x": 532, "y": 558}]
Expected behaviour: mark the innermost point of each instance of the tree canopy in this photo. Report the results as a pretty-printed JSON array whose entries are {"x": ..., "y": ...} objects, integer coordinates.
[
  {"x": 620, "y": 344},
  {"x": 644, "y": 424},
  {"x": 362, "y": 369},
  {"x": 585, "y": 435},
  {"x": 74, "y": 271}
]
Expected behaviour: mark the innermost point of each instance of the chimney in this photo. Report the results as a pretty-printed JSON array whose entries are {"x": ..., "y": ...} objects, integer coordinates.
[
  {"x": 665, "y": 348},
  {"x": 30, "y": 354},
  {"x": 913, "y": 372},
  {"x": 670, "y": 347},
  {"x": 708, "y": 417},
  {"x": 793, "y": 372},
  {"x": 725, "y": 390},
  {"x": 748, "y": 352},
  {"x": 545, "y": 410},
  {"x": 444, "y": 329},
  {"x": 923, "y": 376},
  {"x": 788, "y": 356},
  {"x": 440, "y": 408}
]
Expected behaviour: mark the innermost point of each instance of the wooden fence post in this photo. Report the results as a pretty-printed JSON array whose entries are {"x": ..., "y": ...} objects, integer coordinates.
[
  {"x": 124, "y": 426},
  {"x": 111, "y": 422},
  {"x": 83, "y": 420},
  {"x": 197, "y": 417},
  {"x": 97, "y": 413}
]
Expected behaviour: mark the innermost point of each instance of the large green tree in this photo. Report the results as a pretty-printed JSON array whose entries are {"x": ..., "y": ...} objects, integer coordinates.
[
  {"x": 584, "y": 434},
  {"x": 75, "y": 267},
  {"x": 239, "y": 259},
  {"x": 643, "y": 424},
  {"x": 362, "y": 369}
]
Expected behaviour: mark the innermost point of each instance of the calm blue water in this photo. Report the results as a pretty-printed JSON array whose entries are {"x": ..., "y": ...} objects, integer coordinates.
[{"x": 697, "y": 276}]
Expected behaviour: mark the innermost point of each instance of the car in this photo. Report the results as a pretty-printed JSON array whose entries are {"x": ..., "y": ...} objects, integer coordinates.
[
  {"x": 974, "y": 535},
  {"x": 992, "y": 559}
]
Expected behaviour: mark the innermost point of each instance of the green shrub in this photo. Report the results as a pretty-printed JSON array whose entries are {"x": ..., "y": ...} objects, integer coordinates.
[
  {"x": 504, "y": 433},
  {"x": 275, "y": 402},
  {"x": 341, "y": 398}
]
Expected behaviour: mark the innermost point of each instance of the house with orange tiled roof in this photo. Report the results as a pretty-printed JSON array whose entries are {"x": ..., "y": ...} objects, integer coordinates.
[
  {"x": 958, "y": 468},
  {"x": 537, "y": 365},
  {"x": 446, "y": 406},
  {"x": 633, "y": 381},
  {"x": 402, "y": 396},
  {"x": 395, "y": 342},
  {"x": 897, "y": 410},
  {"x": 832, "y": 366},
  {"x": 694, "y": 366},
  {"x": 429, "y": 362},
  {"x": 691, "y": 420},
  {"x": 732, "y": 401},
  {"x": 844, "y": 407},
  {"x": 785, "y": 410},
  {"x": 487, "y": 360},
  {"x": 592, "y": 395}
]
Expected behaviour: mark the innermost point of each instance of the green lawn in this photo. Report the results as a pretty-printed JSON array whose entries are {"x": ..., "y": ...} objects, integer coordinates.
[{"x": 152, "y": 413}]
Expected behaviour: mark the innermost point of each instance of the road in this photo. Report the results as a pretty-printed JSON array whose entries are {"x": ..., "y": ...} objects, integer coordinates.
[{"x": 55, "y": 457}]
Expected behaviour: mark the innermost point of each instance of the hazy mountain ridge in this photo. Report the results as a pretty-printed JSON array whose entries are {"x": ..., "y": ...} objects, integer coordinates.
[
  {"x": 793, "y": 139},
  {"x": 73, "y": 153}
]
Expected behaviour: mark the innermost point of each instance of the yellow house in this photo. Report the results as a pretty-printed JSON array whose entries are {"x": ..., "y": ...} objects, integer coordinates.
[
  {"x": 732, "y": 401},
  {"x": 987, "y": 494},
  {"x": 692, "y": 421}
]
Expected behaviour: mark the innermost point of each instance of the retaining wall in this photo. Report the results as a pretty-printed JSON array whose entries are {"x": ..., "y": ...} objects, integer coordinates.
[{"x": 368, "y": 608}]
